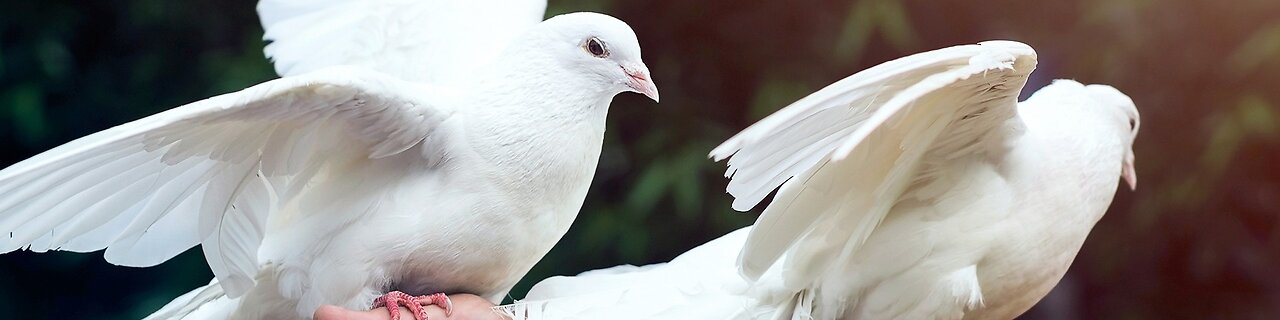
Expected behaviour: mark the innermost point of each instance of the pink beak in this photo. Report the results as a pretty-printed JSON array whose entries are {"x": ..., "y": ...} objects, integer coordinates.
[
  {"x": 1129, "y": 174},
  {"x": 640, "y": 82}
]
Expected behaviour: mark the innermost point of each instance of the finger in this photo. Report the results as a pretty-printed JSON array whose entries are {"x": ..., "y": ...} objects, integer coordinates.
[{"x": 329, "y": 312}]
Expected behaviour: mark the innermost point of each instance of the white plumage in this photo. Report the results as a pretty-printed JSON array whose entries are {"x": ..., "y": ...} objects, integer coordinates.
[
  {"x": 417, "y": 40},
  {"x": 917, "y": 189},
  {"x": 353, "y": 175}
]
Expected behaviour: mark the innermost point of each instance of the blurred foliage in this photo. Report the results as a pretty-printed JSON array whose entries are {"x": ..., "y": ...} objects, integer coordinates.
[{"x": 1199, "y": 239}]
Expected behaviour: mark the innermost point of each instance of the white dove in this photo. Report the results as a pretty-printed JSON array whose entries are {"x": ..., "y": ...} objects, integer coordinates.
[
  {"x": 917, "y": 189},
  {"x": 339, "y": 184}
]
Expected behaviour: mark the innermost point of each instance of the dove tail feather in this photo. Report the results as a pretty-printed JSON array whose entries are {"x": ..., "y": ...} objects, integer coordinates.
[
  {"x": 524, "y": 310},
  {"x": 207, "y": 302}
]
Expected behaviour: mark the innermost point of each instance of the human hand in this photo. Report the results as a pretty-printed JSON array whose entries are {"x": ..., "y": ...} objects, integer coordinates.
[{"x": 465, "y": 307}]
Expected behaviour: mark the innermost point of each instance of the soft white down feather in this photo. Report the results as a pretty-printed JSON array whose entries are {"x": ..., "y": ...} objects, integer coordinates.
[
  {"x": 917, "y": 189},
  {"x": 345, "y": 179}
]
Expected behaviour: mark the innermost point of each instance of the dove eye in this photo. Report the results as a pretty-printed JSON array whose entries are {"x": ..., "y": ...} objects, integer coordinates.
[{"x": 596, "y": 48}]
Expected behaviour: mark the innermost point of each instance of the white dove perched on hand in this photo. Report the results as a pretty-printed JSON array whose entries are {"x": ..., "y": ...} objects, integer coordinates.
[
  {"x": 916, "y": 189},
  {"x": 345, "y": 180}
]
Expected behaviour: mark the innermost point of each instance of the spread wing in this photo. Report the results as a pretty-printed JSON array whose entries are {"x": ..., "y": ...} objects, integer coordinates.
[
  {"x": 417, "y": 40},
  {"x": 844, "y": 155},
  {"x": 208, "y": 172}
]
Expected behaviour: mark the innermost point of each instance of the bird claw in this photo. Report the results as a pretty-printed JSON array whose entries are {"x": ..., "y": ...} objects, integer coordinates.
[{"x": 396, "y": 299}]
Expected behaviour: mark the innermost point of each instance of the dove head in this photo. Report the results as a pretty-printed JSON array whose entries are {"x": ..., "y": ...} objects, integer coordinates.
[
  {"x": 592, "y": 50},
  {"x": 1128, "y": 111}
]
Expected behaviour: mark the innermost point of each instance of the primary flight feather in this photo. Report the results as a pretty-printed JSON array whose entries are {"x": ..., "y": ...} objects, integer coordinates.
[
  {"x": 917, "y": 189},
  {"x": 347, "y": 178}
]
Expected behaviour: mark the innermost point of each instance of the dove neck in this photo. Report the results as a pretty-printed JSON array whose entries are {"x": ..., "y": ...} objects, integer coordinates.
[
  {"x": 541, "y": 126},
  {"x": 539, "y": 120},
  {"x": 1085, "y": 140}
]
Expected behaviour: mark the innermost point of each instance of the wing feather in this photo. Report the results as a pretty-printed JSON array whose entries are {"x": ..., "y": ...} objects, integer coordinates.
[
  {"x": 210, "y": 172},
  {"x": 843, "y": 155},
  {"x": 417, "y": 40}
]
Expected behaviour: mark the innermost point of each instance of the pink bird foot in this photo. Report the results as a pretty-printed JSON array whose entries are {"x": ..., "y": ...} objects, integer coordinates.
[{"x": 396, "y": 299}]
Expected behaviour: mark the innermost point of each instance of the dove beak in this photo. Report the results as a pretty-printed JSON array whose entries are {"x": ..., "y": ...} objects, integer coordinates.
[
  {"x": 1129, "y": 174},
  {"x": 639, "y": 81}
]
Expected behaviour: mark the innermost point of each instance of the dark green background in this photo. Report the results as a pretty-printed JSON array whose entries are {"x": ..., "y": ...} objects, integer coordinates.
[{"x": 1200, "y": 239}]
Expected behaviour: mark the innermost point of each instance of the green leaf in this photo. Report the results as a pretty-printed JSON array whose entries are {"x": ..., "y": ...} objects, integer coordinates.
[
  {"x": 1251, "y": 117},
  {"x": 776, "y": 93},
  {"x": 649, "y": 188},
  {"x": 895, "y": 25},
  {"x": 853, "y": 37},
  {"x": 633, "y": 243},
  {"x": 54, "y": 58},
  {"x": 598, "y": 230},
  {"x": 567, "y": 6},
  {"x": 1261, "y": 48},
  {"x": 686, "y": 188},
  {"x": 889, "y": 17},
  {"x": 27, "y": 113},
  {"x": 1255, "y": 114}
]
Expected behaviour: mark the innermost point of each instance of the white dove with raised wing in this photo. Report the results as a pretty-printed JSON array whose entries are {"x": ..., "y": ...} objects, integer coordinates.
[
  {"x": 917, "y": 189},
  {"x": 344, "y": 180}
]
